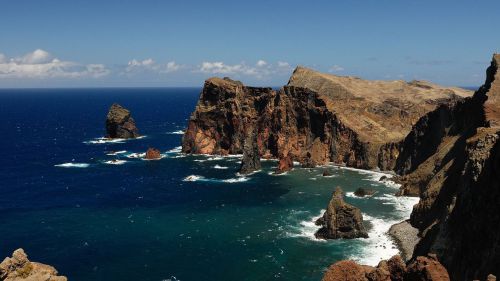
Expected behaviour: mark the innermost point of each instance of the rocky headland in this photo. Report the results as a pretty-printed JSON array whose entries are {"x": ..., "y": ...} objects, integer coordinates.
[
  {"x": 120, "y": 124},
  {"x": 316, "y": 118},
  {"x": 441, "y": 142},
  {"x": 19, "y": 268}
]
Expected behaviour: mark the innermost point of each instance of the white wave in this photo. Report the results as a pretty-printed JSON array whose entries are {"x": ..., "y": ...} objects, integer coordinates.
[
  {"x": 179, "y": 132},
  {"x": 115, "y": 162},
  {"x": 307, "y": 228},
  {"x": 351, "y": 195},
  {"x": 379, "y": 244},
  {"x": 136, "y": 155},
  {"x": 155, "y": 159},
  {"x": 116, "y": 152},
  {"x": 220, "y": 167},
  {"x": 313, "y": 179},
  {"x": 175, "y": 149},
  {"x": 236, "y": 180},
  {"x": 103, "y": 140},
  {"x": 72, "y": 165},
  {"x": 194, "y": 178},
  {"x": 280, "y": 174}
]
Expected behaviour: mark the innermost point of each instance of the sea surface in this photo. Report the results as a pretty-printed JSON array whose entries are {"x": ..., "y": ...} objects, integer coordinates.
[{"x": 65, "y": 201}]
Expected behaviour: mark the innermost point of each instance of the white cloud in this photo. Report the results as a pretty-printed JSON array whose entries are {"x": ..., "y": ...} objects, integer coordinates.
[
  {"x": 41, "y": 64},
  {"x": 284, "y": 64},
  {"x": 261, "y": 63},
  {"x": 149, "y": 65},
  {"x": 336, "y": 68},
  {"x": 261, "y": 70}
]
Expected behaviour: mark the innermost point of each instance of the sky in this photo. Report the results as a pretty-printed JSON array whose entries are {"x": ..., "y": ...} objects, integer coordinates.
[{"x": 153, "y": 43}]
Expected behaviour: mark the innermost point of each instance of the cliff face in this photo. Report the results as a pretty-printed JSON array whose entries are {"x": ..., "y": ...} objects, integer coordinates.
[
  {"x": 19, "y": 268},
  {"x": 452, "y": 159},
  {"x": 119, "y": 123},
  {"x": 315, "y": 119}
]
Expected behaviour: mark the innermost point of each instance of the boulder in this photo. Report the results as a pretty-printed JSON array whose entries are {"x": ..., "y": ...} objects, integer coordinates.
[
  {"x": 346, "y": 270},
  {"x": 426, "y": 269},
  {"x": 327, "y": 173},
  {"x": 120, "y": 124},
  {"x": 362, "y": 192},
  {"x": 152, "y": 154},
  {"x": 341, "y": 220},
  {"x": 19, "y": 268}
]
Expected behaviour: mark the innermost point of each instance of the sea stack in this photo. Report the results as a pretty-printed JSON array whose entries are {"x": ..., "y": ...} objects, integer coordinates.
[
  {"x": 341, "y": 220},
  {"x": 152, "y": 154},
  {"x": 19, "y": 268},
  {"x": 119, "y": 123},
  {"x": 251, "y": 158}
]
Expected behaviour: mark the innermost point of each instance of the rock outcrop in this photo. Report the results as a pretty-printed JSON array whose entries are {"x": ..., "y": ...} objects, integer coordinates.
[
  {"x": 314, "y": 119},
  {"x": 341, "y": 220},
  {"x": 19, "y": 268},
  {"x": 362, "y": 192},
  {"x": 451, "y": 158},
  {"x": 251, "y": 158},
  {"x": 152, "y": 154},
  {"x": 422, "y": 268},
  {"x": 119, "y": 123}
]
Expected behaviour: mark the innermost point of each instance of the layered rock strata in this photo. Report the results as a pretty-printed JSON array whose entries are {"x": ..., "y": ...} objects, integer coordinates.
[
  {"x": 120, "y": 124},
  {"x": 314, "y": 119},
  {"x": 341, "y": 220},
  {"x": 19, "y": 268}
]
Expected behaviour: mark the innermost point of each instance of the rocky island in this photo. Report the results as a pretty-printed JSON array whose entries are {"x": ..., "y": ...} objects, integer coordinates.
[{"x": 120, "y": 124}]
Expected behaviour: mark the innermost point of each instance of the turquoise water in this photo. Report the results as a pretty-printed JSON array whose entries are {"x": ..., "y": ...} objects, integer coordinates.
[{"x": 179, "y": 218}]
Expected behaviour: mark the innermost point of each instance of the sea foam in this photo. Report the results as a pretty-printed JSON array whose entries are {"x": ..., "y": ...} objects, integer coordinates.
[{"x": 73, "y": 165}]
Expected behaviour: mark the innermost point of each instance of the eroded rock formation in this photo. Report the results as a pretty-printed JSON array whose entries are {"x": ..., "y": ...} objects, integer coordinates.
[
  {"x": 19, "y": 268},
  {"x": 314, "y": 119},
  {"x": 341, "y": 220},
  {"x": 119, "y": 123},
  {"x": 362, "y": 192}
]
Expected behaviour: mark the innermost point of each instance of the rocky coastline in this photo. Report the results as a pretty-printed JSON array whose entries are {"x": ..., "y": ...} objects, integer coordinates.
[{"x": 441, "y": 142}]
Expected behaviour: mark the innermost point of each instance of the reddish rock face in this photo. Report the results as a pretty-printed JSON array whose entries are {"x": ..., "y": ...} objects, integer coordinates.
[
  {"x": 153, "y": 154},
  {"x": 426, "y": 269},
  {"x": 346, "y": 271},
  {"x": 285, "y": 164},
  {"x": 421, "y": 269}
]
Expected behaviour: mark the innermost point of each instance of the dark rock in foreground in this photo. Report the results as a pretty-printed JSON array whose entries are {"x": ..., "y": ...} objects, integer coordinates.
[
  {"x": 119, "y": 123},
  {"x": 362, "y": 192},
  {"x": 152, "y": 154},
  {"x": 341, "y": 220},
  {"x": 251, "y": 158},
  {"x": 19, "y": 268},
  {"x": 327, "y": 173}
]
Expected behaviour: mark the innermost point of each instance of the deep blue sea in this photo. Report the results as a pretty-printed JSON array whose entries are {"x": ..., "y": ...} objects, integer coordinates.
[{"x": 66, "y": 205}]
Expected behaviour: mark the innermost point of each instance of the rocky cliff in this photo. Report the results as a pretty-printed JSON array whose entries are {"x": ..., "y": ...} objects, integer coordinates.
[
  {"x": 314, "y": 119},
  {"x": 19, "y": 268},
  {"x": 452, "y": 159}
]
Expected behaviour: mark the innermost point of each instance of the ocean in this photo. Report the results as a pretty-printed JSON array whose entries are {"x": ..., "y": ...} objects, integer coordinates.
[{"x": 183, "y": 217}]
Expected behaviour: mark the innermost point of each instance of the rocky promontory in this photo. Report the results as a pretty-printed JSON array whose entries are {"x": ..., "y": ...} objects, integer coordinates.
[
  {"x": 19, "y": 268},
  {"x": 120, "y": 124},
  {"x": 341, "y": 220},
  {"x": 314, "y": 119}
]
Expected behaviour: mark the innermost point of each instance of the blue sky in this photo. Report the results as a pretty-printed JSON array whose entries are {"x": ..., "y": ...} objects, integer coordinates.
[{"x": 180, "y": 43}]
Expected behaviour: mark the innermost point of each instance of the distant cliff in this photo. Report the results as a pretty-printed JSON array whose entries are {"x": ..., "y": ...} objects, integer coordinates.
[{"x": 314, "y": 119}]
